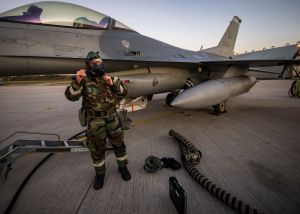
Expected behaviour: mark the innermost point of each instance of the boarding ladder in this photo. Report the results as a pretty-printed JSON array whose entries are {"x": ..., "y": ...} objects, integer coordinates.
[{"x": 13, "y": 151}]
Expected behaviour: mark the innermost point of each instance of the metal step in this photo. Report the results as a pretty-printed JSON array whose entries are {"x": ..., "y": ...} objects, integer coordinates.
[
  {"x": 21, "y": 147},
  {"x": 10, "y": 153}
]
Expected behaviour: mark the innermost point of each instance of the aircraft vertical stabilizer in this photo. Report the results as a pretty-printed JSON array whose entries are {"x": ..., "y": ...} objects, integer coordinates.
[{"x": 226, "y": 45}]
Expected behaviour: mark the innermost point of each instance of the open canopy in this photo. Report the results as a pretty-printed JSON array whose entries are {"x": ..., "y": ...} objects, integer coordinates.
[{"x": 61, "y": 14}]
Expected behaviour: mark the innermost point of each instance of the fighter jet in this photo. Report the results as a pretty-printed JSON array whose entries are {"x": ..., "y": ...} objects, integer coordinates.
[{"x": 55, "y": 37}]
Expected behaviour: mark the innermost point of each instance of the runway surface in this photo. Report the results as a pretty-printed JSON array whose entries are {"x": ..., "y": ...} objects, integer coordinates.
[{"x": 253, "y": 152}]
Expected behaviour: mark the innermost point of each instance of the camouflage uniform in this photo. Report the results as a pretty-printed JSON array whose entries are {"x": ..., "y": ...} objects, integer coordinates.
[{"x": 100, "y": 100}]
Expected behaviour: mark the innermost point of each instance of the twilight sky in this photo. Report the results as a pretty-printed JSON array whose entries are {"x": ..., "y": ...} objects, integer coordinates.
[{"x": 191, "y": 23}]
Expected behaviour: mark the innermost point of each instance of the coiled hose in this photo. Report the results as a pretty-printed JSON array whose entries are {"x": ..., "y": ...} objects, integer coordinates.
[{"x": 190, "y": 158}]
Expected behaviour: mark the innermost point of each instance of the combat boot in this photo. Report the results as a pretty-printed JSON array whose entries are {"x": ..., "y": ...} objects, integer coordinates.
[
  {"x": 124, "y": 173},
  {"x": 99, "y": 181}
]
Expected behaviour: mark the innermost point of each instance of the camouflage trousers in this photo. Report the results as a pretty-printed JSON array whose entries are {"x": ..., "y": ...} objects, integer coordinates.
[{"x": 99, "y": 130}]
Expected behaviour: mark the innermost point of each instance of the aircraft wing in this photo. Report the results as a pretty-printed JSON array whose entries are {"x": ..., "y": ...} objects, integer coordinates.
[
  {"x": 262, "y": 71},
  {"x": 252, "y": 62},
  {"x": 285, "y": 52},
  {"x": 269, "y": 57}
]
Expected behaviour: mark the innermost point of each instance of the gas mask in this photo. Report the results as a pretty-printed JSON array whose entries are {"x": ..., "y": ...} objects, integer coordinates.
[{"x": 96, "y": 71}]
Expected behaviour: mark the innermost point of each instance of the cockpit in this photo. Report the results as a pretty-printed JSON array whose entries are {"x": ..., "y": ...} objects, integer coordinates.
[{"x": 62, "y": 14}]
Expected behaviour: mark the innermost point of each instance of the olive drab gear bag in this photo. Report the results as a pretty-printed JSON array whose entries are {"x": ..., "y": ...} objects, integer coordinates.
[
  {"x": 124, "y": 120},
  {"x": 82, "y": 116}
]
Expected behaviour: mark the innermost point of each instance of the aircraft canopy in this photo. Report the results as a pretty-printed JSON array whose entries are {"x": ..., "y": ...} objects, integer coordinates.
[{"x": 62, "y": 14}]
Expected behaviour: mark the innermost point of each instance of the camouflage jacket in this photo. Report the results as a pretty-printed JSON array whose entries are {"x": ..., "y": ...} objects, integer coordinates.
[{"x": 96, "y": 94}]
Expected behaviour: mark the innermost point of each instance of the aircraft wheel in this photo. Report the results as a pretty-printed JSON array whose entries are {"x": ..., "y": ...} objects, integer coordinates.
[
  {"x": 170, "y": 97},
  {"x": 220, "y": 108},
  {"x": 149, "y": 97}
]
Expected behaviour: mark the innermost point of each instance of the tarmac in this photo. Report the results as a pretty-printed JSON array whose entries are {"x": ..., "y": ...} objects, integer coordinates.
[{"x": 252, "y": 151}]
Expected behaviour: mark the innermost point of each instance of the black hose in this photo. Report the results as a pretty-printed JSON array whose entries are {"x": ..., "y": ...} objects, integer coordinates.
[
  {"x": 292, "y": 90},
  {"x": 188, "y": 148},
  {"x": 21, "y": 187}
]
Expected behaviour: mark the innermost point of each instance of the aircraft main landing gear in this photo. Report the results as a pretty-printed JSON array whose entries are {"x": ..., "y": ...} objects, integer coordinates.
[{"x": 220, "y": 108}]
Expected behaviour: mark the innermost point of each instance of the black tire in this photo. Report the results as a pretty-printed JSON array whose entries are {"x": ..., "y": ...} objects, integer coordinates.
[
  {"x": 292, "y": 90},
  {"x": 220, "y": 108},
  {"x": 149, "y": 97}
]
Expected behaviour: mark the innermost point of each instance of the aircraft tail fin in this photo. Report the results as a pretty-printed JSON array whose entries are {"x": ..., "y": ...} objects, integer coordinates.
[{"x": 226, "y": 45}]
